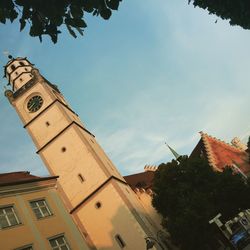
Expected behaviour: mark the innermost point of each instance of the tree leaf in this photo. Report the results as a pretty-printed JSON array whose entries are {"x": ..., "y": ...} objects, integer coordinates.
[
  {"x": 53, "y": 38},
  {"x": 22, "y": 24},
  {"x": 113, "y": 4},
  {"x": 79, "y": 30},
  {"x": 105, "y": 13},
  {"x": 71, "y": 31}
]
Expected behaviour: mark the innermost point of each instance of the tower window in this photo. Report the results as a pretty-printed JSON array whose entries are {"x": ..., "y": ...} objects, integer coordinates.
[
  {"x": 21, "y": 79},
  {"x": 98, "y": 204},
  {"x": 21, "y": 63},
  {"x": 16, "y": 73},
  {"x": 120, "y": 241},
  {"x": 81, "y": 178},
  {"x": 26, "y": 69},
  {"x": 13, "y": 67},
  {"x": 47, "y": 124},
  {"x": 63, "y": 149}
]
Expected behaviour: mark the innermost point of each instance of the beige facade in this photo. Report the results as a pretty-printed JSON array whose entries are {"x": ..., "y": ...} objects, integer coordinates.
[
  {"x": 145, "y": 198},
  {"x": 98, "y": 198},
  {"x": 141, "y": 185},
  {"x": 33, "y": 215}
]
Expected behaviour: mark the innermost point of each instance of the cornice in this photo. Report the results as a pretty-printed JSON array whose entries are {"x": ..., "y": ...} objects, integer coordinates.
[{"x": 19, "y": 189}]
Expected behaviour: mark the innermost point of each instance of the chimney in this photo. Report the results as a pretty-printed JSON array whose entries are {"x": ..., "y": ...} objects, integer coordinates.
[{"x": 236, "y": 142}]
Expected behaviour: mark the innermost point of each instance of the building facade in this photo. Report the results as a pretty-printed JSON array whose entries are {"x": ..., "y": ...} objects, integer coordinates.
[
  {"x": 33, "y": 216},
  {"x": 97, "y": 197}
]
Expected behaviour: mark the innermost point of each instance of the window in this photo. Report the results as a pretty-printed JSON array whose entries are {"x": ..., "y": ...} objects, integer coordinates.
[
  {"x": 59, "y": 243},
  {"x": 8, "y": 217},
  {"x": 12, "y": 67},
  {"x": 40, "y": 209},
  {"x": 63, "y": 149},
  {"x": 81, "y": 178},
  {"x": 16, "y": 73},
  {"x": 21, "y": 63},
  {"x": 27, "y": 247},
  {"x": 120, "y": 241},
  {"x": 98, "y": 204},
  {"x": 21, "y": 79}
]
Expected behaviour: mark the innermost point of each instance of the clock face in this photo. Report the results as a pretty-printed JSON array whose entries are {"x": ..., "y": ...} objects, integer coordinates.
[{"x": 35, "y": 103}]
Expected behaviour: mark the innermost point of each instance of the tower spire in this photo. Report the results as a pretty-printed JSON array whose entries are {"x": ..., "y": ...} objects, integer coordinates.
[{"x": 176, "y": 155}]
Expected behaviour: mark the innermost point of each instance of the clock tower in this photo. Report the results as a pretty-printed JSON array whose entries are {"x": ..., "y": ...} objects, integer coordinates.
[{"x": 98, "y": 198}]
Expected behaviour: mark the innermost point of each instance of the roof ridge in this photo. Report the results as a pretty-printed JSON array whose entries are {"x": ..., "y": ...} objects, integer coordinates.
[
  {"x": 210, "y": 155},
  {"x": 222, "y": 142},
  {"x": 17, "y": 172}
]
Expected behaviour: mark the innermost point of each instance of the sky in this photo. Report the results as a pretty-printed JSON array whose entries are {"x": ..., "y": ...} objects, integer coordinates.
[{"x": 158, "y": 71}]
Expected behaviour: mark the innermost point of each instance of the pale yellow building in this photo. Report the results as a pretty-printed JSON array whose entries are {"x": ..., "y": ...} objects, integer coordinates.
[
  {"x": 141, "y": 184},
  {"x": 33, "y": 216},
  {"x": 95, "y": 194}
]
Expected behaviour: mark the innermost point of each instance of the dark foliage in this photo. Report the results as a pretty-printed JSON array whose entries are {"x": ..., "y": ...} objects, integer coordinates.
[
  {"x": 46, "y": 16},
  {"x": 236, "y": 11},
  {"x": 248, "y": 148},
  {"x": 189, "y": 194}
]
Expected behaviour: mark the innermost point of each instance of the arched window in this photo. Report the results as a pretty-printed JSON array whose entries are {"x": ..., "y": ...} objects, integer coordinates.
[{"x": 13, "y": 67}]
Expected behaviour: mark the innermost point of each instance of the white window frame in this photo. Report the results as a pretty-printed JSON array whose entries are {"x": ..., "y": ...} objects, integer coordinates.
[
  {"x": 58, "y": 245},
  {"x": 6, "y": 216},
  {"x": 42, "y": 215},
  {"x": 30, "y": 246}
]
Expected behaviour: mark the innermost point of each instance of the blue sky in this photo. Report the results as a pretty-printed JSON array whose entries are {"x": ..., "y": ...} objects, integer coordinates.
[{"x": 156, "y": 71}]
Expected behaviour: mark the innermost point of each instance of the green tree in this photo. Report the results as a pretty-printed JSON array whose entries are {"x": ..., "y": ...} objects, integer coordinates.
[
  {"x": 46, "y": 16},
  {"x": 189, "y": 193},
  {"x": 236, "y": 11}
]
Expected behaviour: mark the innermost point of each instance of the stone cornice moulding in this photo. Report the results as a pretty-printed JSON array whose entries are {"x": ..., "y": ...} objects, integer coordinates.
[{"x": 19, "y": 189}]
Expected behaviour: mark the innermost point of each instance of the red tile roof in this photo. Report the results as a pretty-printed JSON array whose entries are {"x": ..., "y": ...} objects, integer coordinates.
[
  {"x": 221, "y": 154},
  {"x": 13, "y": 178},
  {"x": 140, "y": 180}
]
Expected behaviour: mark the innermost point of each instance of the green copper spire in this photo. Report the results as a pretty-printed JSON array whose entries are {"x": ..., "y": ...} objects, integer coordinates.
[{"x": 176, "y": 155}]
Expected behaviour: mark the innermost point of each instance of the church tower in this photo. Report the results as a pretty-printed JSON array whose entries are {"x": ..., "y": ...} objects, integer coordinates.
[{"x": 98, "y": 198}]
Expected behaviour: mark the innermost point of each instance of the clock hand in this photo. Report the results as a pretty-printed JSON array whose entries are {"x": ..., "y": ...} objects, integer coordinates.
[{"x": 32, "y": 105}]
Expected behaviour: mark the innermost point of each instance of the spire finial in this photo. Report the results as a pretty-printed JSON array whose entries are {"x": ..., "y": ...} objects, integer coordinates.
[{"x": 176, "y": 155}]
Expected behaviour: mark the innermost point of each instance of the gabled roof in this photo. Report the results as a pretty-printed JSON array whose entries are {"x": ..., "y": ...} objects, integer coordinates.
[
  {"x": 14, "y": 178},
  {"x": 221, "y": 154},
  {"x": 140, "y": 180}
]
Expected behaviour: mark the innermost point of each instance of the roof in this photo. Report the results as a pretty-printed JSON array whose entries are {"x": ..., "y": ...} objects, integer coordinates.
[
  {"x": 140, "y": 180},
  {"x": 14, "y": 178},
  {"x": 221, "y": 154}
]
